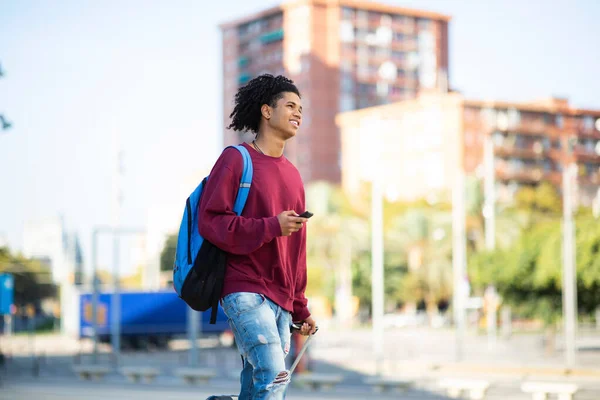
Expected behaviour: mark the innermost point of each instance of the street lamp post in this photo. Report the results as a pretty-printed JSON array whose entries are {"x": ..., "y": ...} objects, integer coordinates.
[
  {"x": 115, "y": 309},
  {"x": 376, "y": 127},
  {"x": 569, "y": 292},
  {"x": 459, "y": 261}
]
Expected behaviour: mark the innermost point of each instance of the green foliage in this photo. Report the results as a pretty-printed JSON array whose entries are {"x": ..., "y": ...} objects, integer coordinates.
[
  {"x": 528, "y": 274},
  {"x": 341, "y": 222},
  {"x": 543, "y": 199},
  {"x": 167, "y": 255},
  {"x": 32, "y": 279}
]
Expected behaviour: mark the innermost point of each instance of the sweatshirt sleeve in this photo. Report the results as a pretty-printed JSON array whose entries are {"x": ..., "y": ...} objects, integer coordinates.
[
  {"x": 300, "y": 311},
  {"x": 218, "y": 223}
]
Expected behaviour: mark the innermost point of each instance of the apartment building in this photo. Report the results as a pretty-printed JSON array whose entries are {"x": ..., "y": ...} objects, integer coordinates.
[
  {"x": 421, "y": 143},
  {"x": 343, "y": 55}
]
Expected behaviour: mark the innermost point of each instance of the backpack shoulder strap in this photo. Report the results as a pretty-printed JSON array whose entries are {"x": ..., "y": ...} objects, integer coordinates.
[{"x": 245, "y": 182}]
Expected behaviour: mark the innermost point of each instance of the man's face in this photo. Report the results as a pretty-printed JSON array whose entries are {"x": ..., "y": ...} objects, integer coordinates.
[{"x": 286, "y": 117}]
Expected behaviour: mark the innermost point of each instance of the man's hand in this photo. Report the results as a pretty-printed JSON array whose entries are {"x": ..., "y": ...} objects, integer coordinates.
[
  {"x": 290, "y": 222},
  {"x": 309, "y": 326}
]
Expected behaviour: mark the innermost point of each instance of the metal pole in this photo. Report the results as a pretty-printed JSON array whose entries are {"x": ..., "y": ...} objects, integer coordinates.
[
  {"x": 569, "y": 275},
  {"x": 7, "y": 325},
  {"x": 95, "y": 295},
  {"x": 377, "y": 267},
  {"x": 489, "y": 208},
  {"x": 193, "y": 322},
  {"x": 96, "y": 287},
  {"x": 459, "y": 250},
  {"x": 116, "y": 295},
  {"x": 115, "y": 323}
]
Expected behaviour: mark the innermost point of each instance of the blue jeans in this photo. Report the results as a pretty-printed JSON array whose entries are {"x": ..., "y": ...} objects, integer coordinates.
[{"x": 262, "y": 334}]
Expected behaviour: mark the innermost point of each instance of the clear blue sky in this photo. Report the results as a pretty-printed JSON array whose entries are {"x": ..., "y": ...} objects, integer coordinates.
[{"x": 77, "y": 71}]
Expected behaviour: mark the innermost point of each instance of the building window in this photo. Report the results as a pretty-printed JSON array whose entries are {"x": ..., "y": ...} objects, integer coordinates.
[
  {"x": 347, "y": 102},
  {"x": 347, "y": 84},
  {"x": 346, "y": 32},
  {"x": 398, "y": 55},
  {"x": 386, "y": 20},
  {"x": 244, "y": 78},
  {"x": 514, "y": 117},
  {"x": 347, "y": 13},
  {"x": 401, "y": 19},
  {"x": 498, "y": 138},
  {"x": 424, "y": 24},
  {"x": 365, "y": 88},
  {"x": 346, "y": 65},
  {"x": 272, "y": 36},
  {"x": 399, "y": 37},
  {"x": 557, "y": 144},
  {"x": 560, "y": 122},
  {"x": 382, "y": 89},
  {"x": 549, "y": 119},
  {"x": 588, "y": 122}
]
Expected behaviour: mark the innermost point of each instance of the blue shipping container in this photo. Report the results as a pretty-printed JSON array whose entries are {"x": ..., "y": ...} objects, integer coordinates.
[{"x": 148, "y": 315}]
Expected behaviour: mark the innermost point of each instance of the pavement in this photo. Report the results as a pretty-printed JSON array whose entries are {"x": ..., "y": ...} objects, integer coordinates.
[{"x": 41, "y": 367}]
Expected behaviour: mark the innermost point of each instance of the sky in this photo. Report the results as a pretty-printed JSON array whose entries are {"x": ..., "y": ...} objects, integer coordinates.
[{"x": 78, "y": 73}]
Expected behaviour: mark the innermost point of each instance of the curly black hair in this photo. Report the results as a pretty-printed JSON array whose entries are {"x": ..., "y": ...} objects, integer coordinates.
[{"x": 264, "y": 89}]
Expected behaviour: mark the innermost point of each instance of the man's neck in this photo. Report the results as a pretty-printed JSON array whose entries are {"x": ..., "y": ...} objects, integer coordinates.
[{"x": 270, "y": 146}]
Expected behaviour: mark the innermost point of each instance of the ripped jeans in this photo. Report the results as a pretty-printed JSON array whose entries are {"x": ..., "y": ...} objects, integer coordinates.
[{"x": 262, "y": 334}]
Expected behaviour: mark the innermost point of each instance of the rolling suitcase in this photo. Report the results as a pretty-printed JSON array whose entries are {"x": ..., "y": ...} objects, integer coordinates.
[{"x": 290, "y": 372}]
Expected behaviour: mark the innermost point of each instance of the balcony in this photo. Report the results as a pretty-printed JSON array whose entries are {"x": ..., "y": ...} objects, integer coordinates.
[
  {"x": 532, "y": 152},
  {"x": 588, "y": 132},
  {"x": 583, "y": 154},
  {"x": 243, "y": 61},
  {"x": 524, "y": 174},
  {"x": 272, "y": 36},
  {"x": 244, "y": 78},
  {"x": 532, "y": 128}
]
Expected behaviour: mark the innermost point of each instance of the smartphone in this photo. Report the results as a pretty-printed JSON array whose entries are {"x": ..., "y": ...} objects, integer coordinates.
[{"x": 306, "y": 214}]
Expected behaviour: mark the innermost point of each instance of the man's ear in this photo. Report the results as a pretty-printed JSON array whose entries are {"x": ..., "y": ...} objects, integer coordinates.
[{"x": 265, "y": 110}]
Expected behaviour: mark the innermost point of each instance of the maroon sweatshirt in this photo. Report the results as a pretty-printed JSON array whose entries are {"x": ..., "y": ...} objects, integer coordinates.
[{"x": 260, "y": 259}]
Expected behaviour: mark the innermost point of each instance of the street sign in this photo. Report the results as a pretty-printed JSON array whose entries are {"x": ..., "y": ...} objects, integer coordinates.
[{"x": 6, "y": 293}]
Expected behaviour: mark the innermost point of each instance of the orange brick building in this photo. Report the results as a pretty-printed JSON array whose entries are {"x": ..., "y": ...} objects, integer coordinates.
[
  {"x": 343, "y": 55},
  {"x": 425, "y": 140}
]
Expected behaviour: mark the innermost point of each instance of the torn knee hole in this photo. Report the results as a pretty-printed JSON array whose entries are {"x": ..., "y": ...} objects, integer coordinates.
[{"x": 282, "y": 377}]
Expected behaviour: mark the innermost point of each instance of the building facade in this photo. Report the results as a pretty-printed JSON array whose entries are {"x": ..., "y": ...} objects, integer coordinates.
[
  {"x": 421, "y": 143},
  {"x": 343, "y": 55},
  {"x": 48, "y": 241}
]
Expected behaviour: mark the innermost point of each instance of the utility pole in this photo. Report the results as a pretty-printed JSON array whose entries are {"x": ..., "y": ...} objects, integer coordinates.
[
  {"x": 375, "y": 127},
  {"x": 489, "y": 207},
  {"x": 569, "y": 292},
  {"x": 459, "y": 261},
  {"x": 96, "y": 287},
  {"x": 116, "y": 221},
  {"x": 377, "y": 269}
]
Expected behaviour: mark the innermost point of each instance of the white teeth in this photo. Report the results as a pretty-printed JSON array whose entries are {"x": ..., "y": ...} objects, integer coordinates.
[{"x": 294, "y": 122}]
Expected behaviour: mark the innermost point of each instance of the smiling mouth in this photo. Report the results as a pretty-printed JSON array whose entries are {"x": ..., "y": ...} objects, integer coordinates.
[{"x": 295, "y": 123}]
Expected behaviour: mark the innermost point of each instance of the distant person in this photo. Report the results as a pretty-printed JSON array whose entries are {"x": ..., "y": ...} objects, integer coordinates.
[{"x": 265, "y": 280}]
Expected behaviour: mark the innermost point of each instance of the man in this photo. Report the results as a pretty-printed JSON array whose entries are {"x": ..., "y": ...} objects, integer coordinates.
[{"x": 265, "y": 280}]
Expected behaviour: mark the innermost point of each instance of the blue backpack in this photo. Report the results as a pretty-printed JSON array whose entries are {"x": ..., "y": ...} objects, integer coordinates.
[{"x": 199, "y": 267}]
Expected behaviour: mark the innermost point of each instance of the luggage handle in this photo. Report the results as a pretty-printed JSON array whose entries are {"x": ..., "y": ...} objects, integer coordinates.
[{"x": 295, "y": 327}]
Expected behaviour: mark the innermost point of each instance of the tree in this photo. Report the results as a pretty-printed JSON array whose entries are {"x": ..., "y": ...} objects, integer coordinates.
[
  {"x": 167, "y": 255},
  {"x": 32, "y": 279},
  {"x": 528, "y": 275},
  {"x": 428, "y": 244}
]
